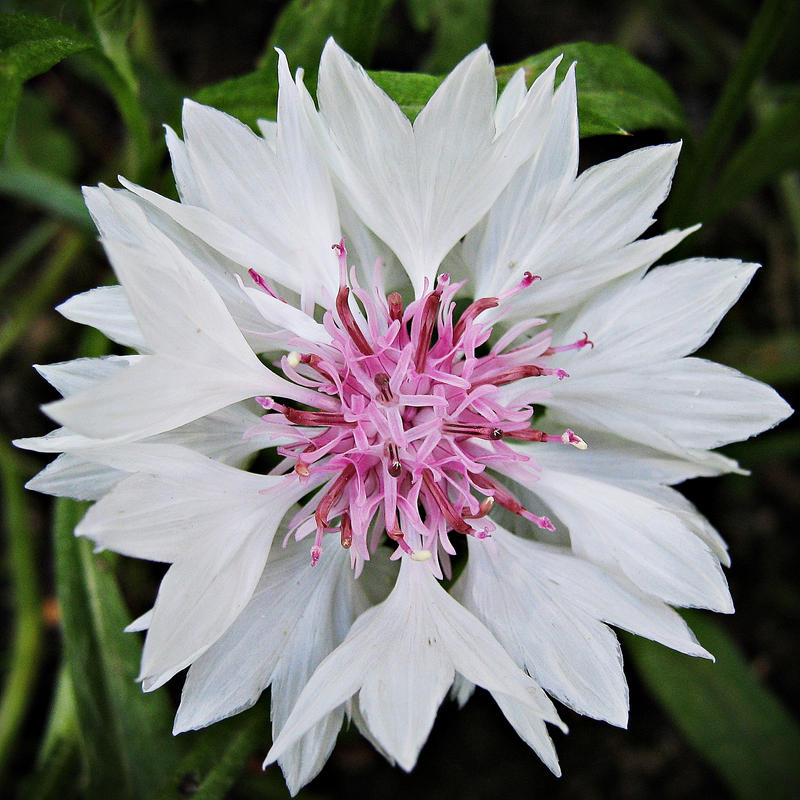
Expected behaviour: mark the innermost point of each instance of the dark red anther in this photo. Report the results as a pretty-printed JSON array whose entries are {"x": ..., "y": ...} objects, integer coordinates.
[
  {"x": 528, "y": 435},
  {"x": 347, "y": 531},
  {"x": 315, "y": 417},
  {"x": 314, "y": 361},
  {"x": 440, "y": 498},
  {"x": 507, "y": 500},
  {"x": 429, "y": 309},
  {"x": 393, "y": 465},
  {"x": 395, "y": 306},
  {"x": 395, "y": 534},
  {"x": 488, "y": 432},
  {"x": 384, "y": 390},
  {"x": 499, "y": 494},
  {"x": 348, "y": 321},
  {"x": 330, "y": 497},
  {"x": 510, "y": 375},
  {"x": 470, "y": 312},
  {"x": 484, "y": 507}
]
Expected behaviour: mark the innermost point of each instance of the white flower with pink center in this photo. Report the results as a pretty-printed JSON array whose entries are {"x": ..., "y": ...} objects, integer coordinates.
[{"x": 364, "y": 341}]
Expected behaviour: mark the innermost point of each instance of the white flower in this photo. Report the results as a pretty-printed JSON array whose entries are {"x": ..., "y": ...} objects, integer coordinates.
[{"x": 401, "y": 427}]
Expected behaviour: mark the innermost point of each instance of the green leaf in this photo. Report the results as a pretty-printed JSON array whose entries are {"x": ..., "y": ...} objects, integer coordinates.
[
  {"x": 249, "y": 98},
  {"x": 217, "y": 757},
  {"x": 726, "y": 714},
  {"x": 616, "y": 93},
  {"x": 23, "y": 664},
  {"x": 37, "y": 140},
  {"x": 305, "y": 25},
  {"x": 48, "y": 192},
  {"x": 29, "y": 46},
  {"x": 112, "y": 21},
  {"x": 410, "y": 90},
  {"x": 773, "y": 149},
  {"x": 459, "y": 27},
  {"x": 58, "y": 764},
  {"x": 126, "y": 736},
  {"x": 693, "y": 175},
  {"x": 301, "y": 32}
]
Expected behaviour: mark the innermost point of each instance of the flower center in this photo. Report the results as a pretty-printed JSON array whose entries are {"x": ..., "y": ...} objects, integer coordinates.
[{"x": 409, "y": 419}]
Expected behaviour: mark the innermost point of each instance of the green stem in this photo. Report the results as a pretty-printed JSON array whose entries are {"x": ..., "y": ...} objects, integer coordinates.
[
  {"x": 693, "y": 177},
  {"x": 143, "y": 155},
  {"x": 28, "y": 629},
  {"x": 70, "y": 247}
]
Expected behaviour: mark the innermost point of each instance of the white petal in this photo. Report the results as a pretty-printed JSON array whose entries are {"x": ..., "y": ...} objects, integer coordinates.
[
  {"x": 632, "y": 533},
  {"x": 510, "y": 100},
  {"x": 670, "y": 313},
  {"x": 296, "y": 616},
  {"x": 422, "y": 188},
  {"x": 202, "y": 362},
  {"x": 72, "y": 476},
  {"x": 572, "y": 655},
  {"x": 107, "y": 309},
  {"x": 698, "y": 404},
  {"x": 403, "y": 655},
  {"x": 215, "y": 522},
  {"x": 73, "y": 376}
]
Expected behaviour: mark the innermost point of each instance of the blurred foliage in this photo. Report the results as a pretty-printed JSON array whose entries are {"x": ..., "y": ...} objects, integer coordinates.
[{"x": 84, "y": 87}]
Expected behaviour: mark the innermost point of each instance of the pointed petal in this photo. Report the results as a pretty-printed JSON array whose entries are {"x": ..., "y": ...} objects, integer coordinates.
[{"x": 107, "y": 309}]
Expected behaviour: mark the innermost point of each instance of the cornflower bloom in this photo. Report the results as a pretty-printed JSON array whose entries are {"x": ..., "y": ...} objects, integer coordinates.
[{"x": 425, "y": 324}]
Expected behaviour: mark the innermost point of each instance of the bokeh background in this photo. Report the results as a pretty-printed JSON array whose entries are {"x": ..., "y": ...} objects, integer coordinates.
[{"x": 68, "y": 131}]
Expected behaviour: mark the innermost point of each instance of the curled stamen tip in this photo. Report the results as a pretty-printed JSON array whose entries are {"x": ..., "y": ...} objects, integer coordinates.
[
  {"x": 339, "y": 247},
  {"x": 561, "y": 374},
  {"x": 546, "y": 524},
  {"x": 316, "y": 552},
  {"x": 293, "y": 358},
  {"x": 570, "y": 437},
  {"x": 420, "y": 555},
  {"x": 266, "y": 402},
  {"x": 484, "y": 534},
  {"x": 529, "y": 278},
  {"x": 586, "y": 340}
]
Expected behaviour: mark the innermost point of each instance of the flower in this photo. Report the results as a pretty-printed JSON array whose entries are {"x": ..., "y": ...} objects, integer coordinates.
[{"x": 424, "y": 325}]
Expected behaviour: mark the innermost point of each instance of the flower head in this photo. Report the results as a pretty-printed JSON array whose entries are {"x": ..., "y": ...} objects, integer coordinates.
[{"x": 450, "y": 351}]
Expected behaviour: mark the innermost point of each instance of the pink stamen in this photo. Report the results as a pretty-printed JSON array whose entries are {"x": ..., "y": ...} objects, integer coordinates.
[
  {"x": 341, "y": 254},
  {"x": 393, "y": 464},
  {"x": 330, "y": 497},
  {"x": 395, "y": 306},
  {"x": 428, "y": 313},
  {"x": 348, "y": 321},
  {"x": 517, "y": 373},
  {"x": 384, "y": 390},
  {"x": 347, "y": 531},
  {"x": 402, "y": 414},
  {"x": 508, "y": 501},
  {"x": 488, "y": 432},
  {"x": 484, "y": 507},
  {"x": 470, "y": 313},
  {"x": 445, "y": 506},
  {"x": 582, "y": 342},
  {"x": 263, "y": 285},
  {"x": 315, "y": 417},
  {"x": 527, "y": 279}
]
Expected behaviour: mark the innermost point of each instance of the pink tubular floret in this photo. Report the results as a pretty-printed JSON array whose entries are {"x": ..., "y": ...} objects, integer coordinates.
[{"x": 409, "y": 420}]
